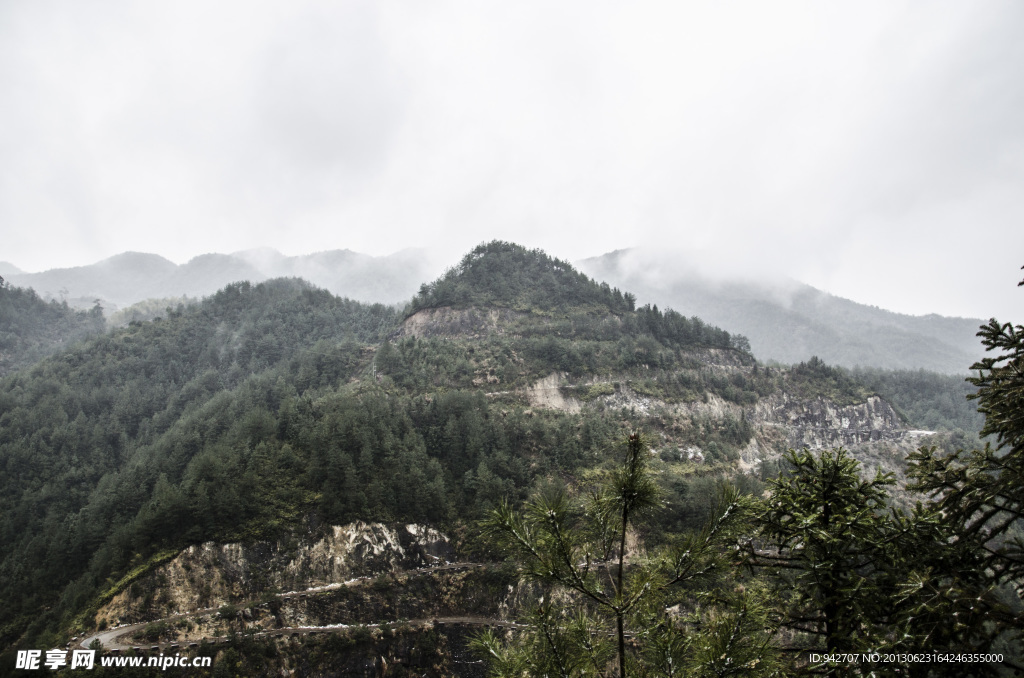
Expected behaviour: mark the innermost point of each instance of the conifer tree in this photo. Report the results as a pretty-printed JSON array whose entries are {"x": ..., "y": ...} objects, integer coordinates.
[
  {"x": 824, "y": 533},
  {"x": 608, "y": 612},
  {"x": 980, "y": 495}
]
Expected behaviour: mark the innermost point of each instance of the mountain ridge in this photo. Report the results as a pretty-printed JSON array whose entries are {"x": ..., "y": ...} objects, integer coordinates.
[
  {"x": 785, "y": 322},
  {"x": 130, "y": 277},
  {"x": 788, "y": 321}
]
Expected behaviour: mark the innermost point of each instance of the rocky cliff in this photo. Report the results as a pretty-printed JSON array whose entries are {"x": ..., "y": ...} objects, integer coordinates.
[{"x": 211, "y": 575}]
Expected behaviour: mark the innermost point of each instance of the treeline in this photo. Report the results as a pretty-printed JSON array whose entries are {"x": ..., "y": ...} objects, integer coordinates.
[
  {"x": 31, "y": 328},
  {"x": 670, "y": 329},
  {"x": 815, "y": 379},
  {"x": 926, "y": 400},
  {"x": 99, "y": 423},
  {"x": 147, "y": 310},
  {"x": 796, "y": 581}
]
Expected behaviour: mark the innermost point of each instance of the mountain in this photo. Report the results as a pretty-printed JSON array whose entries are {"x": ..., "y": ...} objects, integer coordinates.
[
  {"x": 117, "y": 281},
  {"x": 786, "y": 322},
  {"x": 131, "y": 277},
  {"x": 292, "y": 459},
  {"x": 790, "y": 322},
  {"x": 389, "y": 279}
]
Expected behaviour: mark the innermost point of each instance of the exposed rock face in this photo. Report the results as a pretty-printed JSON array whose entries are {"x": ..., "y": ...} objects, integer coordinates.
[
  {"x": 210, "y": 575},
  {"x": 361, "y": 549},
  {"x": 819, "y": 423},
  {"x": 547, "y": 392},
  {"x": 451, "y": 322},
  {"x": 780, "y": 421}
]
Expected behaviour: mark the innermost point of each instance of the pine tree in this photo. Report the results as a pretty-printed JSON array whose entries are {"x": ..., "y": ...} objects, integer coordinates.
[
  {"x": 608, "y": 612},
  {"x": 826, "y": 536},
  {"x": 980, "y": 495}
]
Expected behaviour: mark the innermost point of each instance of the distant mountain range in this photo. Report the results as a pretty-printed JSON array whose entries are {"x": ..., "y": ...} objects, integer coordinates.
[
  {"x": 127, "y": 278},
  {"x": 785, "y": 321},
  {"x": 789, "y": 322}
]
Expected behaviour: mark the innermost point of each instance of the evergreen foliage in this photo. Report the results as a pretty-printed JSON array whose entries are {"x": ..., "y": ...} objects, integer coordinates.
[
  {"x": 929, "y": 400},
  {"x": 825, "y": 534},
  {"x": 507, "y": 275},
  {"x": 233, "y": 420},
  {"x": 555, "y": 301},
  {"x": 851, "y": 575},
  {"x": 815, "y": 379},
  {"x": 276, "y": 407},
  {"x": 617, "y": 623},
  {"x": 980, "y": 492},
  {"x": 31, "y": 329},
  {"x": 148, "y": 310}
]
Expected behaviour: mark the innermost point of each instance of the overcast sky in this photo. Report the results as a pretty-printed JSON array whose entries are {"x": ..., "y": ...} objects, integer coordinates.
[{"x": 872, "y": 149}]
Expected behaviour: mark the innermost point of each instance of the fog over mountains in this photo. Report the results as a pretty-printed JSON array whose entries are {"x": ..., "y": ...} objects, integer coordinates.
[
  {"x": 131, "y": 277},
  {"x": 785, "y": 320},
  {"x": 789, "y": 321}
]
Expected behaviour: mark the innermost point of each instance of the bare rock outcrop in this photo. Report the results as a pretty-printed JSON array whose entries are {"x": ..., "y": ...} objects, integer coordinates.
[
  {"x": 453, "y": 322},
  {"x": 819, "y": 423},
  {"x": 210, "y": 575}
]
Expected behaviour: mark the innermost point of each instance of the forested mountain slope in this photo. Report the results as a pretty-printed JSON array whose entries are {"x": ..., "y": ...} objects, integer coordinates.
[
  {"x": 277, "y": 409},
  {"x": 31, "y": 328}
]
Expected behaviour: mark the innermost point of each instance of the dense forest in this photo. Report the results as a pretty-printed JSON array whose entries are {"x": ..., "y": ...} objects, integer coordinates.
[
  {"x": 31, "y": 328},
  {"x": 504, "y": 274},
  {"x": 268, "y": 409}
]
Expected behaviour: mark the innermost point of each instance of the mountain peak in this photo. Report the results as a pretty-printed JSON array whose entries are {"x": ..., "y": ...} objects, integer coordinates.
[{"x": 507, "y": 275}]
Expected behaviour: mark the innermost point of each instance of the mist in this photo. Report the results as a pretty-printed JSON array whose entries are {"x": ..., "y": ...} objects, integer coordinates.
[{"x": 872, "y": 150}]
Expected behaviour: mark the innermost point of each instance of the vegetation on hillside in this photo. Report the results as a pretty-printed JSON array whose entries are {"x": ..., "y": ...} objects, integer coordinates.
[
  {"x": 252, "y": 411},
  {"x": 979, "y": 492},
  {"x": 929, "y": 400},
  {"x": 815, "y": 379},
  {"x": 271, "y": 408},
  {"x": 615, "y": 611},
  {"x": 147, "y": 310},
  {"x": 235, "y": 419},
  {"x": 843, "y": 576},
  {"x": 31, "y": 328},
  {"x": 829, "y": 570},
  {"x": 788, "y": 322},
  {"x": 507, "y": 275},
  {"x": 560, "y": 302}
]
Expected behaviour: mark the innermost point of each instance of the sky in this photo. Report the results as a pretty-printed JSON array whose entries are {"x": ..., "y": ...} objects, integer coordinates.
[{"x": 873, "y": 149}]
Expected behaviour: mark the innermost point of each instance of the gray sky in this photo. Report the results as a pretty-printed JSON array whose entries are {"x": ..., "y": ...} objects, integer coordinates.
[{"x": 872, "y": 149}]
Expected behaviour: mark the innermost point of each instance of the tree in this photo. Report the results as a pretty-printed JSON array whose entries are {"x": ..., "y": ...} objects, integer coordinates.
[
  {"x": 981, "y": 494},
  {"x": 628, "y": 614},
  {"x": 825, "y": 534},
  {"x": 853, "y": 574}
]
